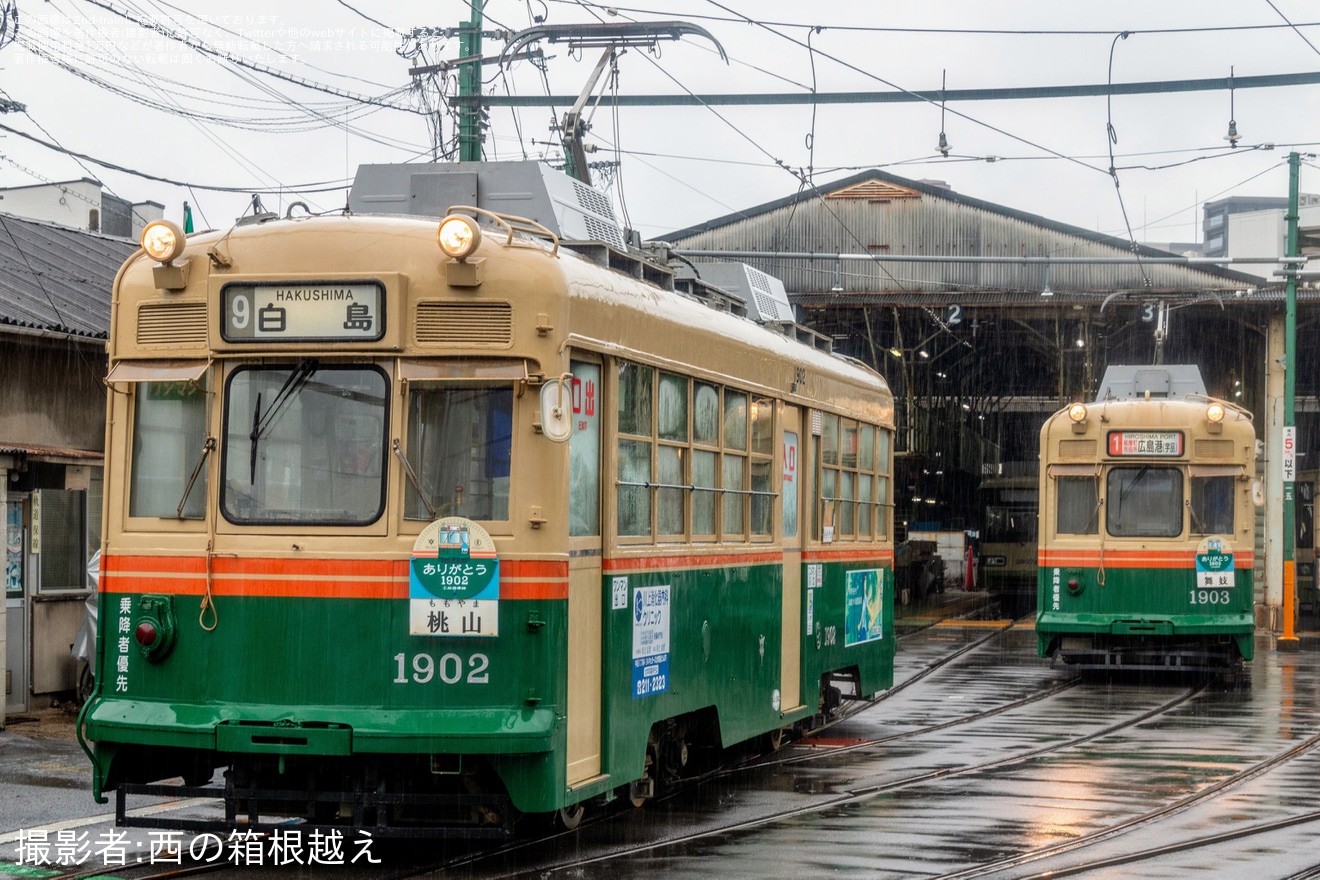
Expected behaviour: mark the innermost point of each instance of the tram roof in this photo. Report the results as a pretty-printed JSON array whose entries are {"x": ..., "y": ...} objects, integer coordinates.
[{"x": 57, "y": 279}]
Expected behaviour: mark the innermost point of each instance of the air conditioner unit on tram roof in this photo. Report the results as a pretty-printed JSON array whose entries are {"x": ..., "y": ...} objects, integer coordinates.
[
  {"x": 1166, "y": 380},
  {"x": 764, "y": 294},
  {"x": 567, "y": 207}
]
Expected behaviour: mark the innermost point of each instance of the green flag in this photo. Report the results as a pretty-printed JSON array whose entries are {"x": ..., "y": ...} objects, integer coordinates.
[{"x": 187, "y": 219}]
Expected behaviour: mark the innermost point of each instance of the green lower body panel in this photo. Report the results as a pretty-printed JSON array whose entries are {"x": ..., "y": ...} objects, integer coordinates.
[{"x": 1159, "y": 615}]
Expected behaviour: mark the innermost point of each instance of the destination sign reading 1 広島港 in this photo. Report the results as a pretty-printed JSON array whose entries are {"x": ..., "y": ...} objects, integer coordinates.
[
  {"x": 293, "y": 312},
  {"x": 1146, "y": 443}
]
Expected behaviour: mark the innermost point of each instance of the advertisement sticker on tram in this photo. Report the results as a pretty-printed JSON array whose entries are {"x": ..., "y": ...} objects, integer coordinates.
[
  {"x": 650, "y": 643},
  {"x": 454, "y": 581},
  {"x": 865, "y": 615}
]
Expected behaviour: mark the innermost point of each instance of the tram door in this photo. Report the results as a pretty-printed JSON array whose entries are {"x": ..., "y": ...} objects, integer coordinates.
[
  {"x": 585, "y": 602},
  {"x": 792, "y": 499}
]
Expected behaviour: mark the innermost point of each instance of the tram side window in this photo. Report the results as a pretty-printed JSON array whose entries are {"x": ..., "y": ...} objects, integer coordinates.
[
  {"x": 671, "y": 454},
  {"x": 735, "y": 465},
  {"x": 1144, "y": 502},
  {"x": 1212, "y": 505},
  {"x": 584, "y": 452},
  {"x": 460, "y": 444},
  {"x": 304, "y": 444},
  {"x": 763, "y": 466},
  {"x": 711, "y": 450},
  {"x": 1078, "y": 506},
  {"x": 169, "y": 429},
  {"x": 705, "y": 458},
  {"x": 854, "y": 460},
  {"x": 635, "y": 409}
]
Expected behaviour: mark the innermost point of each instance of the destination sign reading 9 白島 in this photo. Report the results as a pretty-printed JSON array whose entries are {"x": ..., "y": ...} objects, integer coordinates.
[{"x": 334, "y": 311}]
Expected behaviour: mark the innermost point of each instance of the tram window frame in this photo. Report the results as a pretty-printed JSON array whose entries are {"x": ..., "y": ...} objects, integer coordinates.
[
  {"x": 1072, "y": 500},
  {"x": 1202, "y": 521},
  {"x": 852, "y": 463},
  {"x": 498, "y": 441},
  {"x": 673, "y": 413},
  {"x": 1152, "y": 494},
  {"x": 233, "y": 443},
  {"x": 710, "y": 448},
  {"x": 584, "y": 450},
  {"x": 634, "y": 515},
  {"x": 154, "y": 447}
]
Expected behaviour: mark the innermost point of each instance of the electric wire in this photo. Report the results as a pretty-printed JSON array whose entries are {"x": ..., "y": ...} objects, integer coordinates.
[
  {"x": 316, "y": 187},
  {"x": 362, "y": 14},
  {"x": 146, "y": 81},
  {"x": 1293, "y": 26},
  {"x": 896, "y": 87},
  {"x": 738, "y": 18},
  {"x": 210, "y": 22},
  {"x": 1111, "y": 139},
  {"x": 206, "y": 49}
]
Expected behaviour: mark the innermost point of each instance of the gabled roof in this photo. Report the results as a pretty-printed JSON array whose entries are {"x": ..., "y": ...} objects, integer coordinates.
[
  {"x": 57, "y": 279},
  {"x": 882, "y": 187}
]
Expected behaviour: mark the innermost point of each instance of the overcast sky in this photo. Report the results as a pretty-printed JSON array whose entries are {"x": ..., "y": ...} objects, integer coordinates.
[{"x": 96, "y": 83}]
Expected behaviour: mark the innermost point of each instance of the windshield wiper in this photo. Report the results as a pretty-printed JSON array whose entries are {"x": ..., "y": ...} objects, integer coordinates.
[
  {"x": 254, "y": 436},
  {"x": 296, "y": 379},
  {"x": 207, "y": 446},
  {"x": 412, "y": 478}
]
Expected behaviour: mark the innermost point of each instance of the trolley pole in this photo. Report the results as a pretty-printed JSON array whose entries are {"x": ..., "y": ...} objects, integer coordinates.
[
  {"x": 469, "y": 85},
  {"x": 1288, "y": 641}
]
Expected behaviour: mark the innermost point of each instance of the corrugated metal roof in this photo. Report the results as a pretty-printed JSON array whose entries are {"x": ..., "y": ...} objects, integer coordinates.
[
  {"x": 57, "y": 279},
  {"x": 877, "y": 213}
]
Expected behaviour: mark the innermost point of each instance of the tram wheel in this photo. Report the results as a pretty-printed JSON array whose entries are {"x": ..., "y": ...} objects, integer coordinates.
[{"x": 569, "y": 818}]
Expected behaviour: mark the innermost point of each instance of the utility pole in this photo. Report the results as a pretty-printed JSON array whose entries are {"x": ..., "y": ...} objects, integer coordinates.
[
  {"x": 1288, "y": 640},
  {"x": 469, "y": 85}
]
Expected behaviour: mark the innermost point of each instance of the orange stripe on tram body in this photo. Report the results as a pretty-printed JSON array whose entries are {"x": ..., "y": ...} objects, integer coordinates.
[
  {"x": 309, "y": 578},
  {"x": 1131, "y": 559}
]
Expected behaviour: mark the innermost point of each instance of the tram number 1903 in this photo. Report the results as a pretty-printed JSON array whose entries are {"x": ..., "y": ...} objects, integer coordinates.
[
  {"x": 451, "y": 669},
  {"x": 1210, "y": 597}
]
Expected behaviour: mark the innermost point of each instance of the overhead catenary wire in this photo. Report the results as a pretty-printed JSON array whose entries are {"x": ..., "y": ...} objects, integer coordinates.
[
  {"x": 199, "y": 46},
  {"x": 316, "y": 187},
  {"x": 1017, "y": 32}
]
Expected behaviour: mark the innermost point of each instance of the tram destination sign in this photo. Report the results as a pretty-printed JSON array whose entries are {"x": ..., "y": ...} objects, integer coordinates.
[
  {"x": 1146, "y": 443},
  {"x": 305, "y": 312}
]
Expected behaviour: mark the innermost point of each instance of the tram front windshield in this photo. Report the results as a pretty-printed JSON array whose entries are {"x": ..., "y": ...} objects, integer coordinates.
[
  {"x": 1144, "y": 502},
  {"x": 305, "y": 444},
  {"x": 1010, "y": 516}
]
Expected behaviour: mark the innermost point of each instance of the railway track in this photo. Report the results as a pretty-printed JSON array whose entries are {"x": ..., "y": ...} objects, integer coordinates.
[
  {"x": 820, "y": 803},
  {"x": 1206, "y": 794}
]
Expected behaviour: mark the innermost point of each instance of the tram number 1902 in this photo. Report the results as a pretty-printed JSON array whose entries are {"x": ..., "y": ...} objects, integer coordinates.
[
  {"x": 451, "y": 669},
  {"x": 1210, "y": 597}
]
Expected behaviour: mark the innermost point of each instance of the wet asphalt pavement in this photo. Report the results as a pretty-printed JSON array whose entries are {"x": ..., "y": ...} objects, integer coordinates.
[{"x": 983, "y": 761}]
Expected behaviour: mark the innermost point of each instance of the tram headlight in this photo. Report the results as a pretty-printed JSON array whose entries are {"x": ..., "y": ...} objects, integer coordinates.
[
  {"x": 1215, "y": 412},
  {"x": 163, "y": 241},
  {"x": 458, "y": 236},
  {"x": 1077, "y": 412}
]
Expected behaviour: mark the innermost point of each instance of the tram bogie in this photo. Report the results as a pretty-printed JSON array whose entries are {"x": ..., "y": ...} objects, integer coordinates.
[{"x": 422, "y": 539}]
